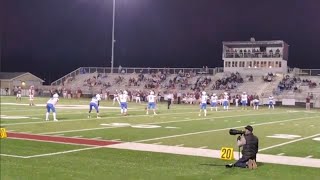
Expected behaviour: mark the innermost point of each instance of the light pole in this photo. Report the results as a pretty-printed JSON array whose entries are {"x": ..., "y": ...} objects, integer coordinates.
[{"x": 113, "y": 40}]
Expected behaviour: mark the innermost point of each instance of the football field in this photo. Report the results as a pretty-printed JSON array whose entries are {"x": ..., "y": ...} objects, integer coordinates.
[{"x": 175, "y": 144}]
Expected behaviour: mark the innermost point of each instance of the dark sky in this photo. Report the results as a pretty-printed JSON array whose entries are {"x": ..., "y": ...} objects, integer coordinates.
[{"x": 54, "y": 37}]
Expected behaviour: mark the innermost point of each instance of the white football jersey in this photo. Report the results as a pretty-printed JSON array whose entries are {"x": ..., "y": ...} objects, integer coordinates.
[
  {"x": 204, "y": 98},
  {"x": 94, "y": 100},
  {"x": 31, "y": 92},
  {"x": 271, "y": 98},
  {"x": 53, "y": 101},
  {"x": 123, "y": 98},
  {"x": 244, "y": 97},
  {"x": 226, "y": 98},
  {"x": 151, "y": 98},
  {"x": 214, "y": 98}
]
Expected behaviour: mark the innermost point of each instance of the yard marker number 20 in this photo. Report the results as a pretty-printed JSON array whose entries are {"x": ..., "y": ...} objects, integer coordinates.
[
  {"x": 3, "y": 133},
  {"x": 227, "y": 153}
]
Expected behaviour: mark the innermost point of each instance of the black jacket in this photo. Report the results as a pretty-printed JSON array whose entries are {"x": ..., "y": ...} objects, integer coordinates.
[{"x": 250, "y": 149}]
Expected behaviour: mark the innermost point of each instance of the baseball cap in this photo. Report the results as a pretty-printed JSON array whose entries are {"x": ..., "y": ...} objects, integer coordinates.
[{"x": 250, "y": 128}]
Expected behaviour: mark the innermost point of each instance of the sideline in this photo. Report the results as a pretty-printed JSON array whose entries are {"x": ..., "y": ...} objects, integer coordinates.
[{"x": 273, "y": 159}]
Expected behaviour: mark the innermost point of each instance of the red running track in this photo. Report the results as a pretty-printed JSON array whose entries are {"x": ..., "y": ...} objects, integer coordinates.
[{"x": 56, "y": 139}]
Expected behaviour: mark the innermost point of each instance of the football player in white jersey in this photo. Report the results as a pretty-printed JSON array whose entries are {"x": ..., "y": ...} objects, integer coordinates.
[
  {"x": 51, "y": 103},
  {"x": 31, "y": 95},
  {"x": 19, "y": 94},
  {"x": 138, "y": 99},
  {"x": 244, "y": 100},
  {"x": 94, "y": 104},
  {"x": 203, "y": 103},
  {"x": 115, "y": 97},
  {"x": 271, "y": 102},
  {"x": 237, "y": 100},
  {"x": 226, "y": 101},
  {"x": 214, "y": 99},
  {"x": 256, "y": 102},
  {"x": 151, "y": 103},
  {"x": 123, "y": 98}
]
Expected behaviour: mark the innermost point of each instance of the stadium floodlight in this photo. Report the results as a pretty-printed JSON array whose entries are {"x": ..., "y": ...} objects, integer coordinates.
[{"x": 113, "y": 40}]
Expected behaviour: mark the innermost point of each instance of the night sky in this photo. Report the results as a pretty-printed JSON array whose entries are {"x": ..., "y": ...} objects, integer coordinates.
[{"x": 53, "y": 37}]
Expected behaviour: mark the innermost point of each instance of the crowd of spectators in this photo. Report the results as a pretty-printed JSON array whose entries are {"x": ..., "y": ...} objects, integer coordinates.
[
  {"x": 201, "y": 83},
  {"x": 288, "y": 83},
  {"x": 119, "y": 79},
  {"x": 293, "y": 83},
  {"x": 181, "y": 80},
  {"x": 306, "y": 82},
  {"x": 154, "y": 79},
  {"x": 95, "y": 80},
  {"x": 230, "y": 82},
  {"x": 269, "y": 77}
]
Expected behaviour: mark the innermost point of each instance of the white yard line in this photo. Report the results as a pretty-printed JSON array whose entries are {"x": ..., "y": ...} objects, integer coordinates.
[
  {"x": 280, "y": 154},
  {"x": 223, "y": 129},
  {"x": 77, "y": 130},
  {"x": 87, "y": 119},
  {"x": 76, "y": 136},
  {"x": 16, "y": 156},
  {"x": 65, "y": 152},
  {"x": 158, "y": 143},
  {"x": 97, "y": 138},
  {"x": 309, "y": 156},
  {"x": 203, "y": 147},
  {"x": 289, "y": 142},
  {"x": 59, "y": 112},
  {"x": 156, "y": 123},
  {"x": 179, "y": 145}
]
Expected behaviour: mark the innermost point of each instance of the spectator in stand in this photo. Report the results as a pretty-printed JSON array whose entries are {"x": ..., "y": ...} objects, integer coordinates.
[
  {"x": 170, "y": 99},
  {"x": 159, "y": 96},
  {"x": 79, "y": 93},
  {"x": 64, "y": 93},
  {"x": 120, "y": 69},
  {"x": 138, "y": 94},
  {"x": 179, "y": 95},
  {"x": 308, "y": 103},
  {"x": 7, "y": 91}
]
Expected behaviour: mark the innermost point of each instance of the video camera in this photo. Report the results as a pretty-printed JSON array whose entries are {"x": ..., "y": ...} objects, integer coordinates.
[{"x": 235, "y": 132}]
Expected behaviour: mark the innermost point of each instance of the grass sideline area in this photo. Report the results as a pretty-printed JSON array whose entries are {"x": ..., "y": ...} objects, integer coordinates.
[{"x": 279, "y": 132}]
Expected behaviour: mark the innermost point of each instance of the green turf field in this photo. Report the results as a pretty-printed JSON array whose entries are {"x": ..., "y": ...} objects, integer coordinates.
[{"x": 282, "y": 132}]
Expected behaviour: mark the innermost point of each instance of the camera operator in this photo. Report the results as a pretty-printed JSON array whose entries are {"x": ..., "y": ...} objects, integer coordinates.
[{"x": 249, "y": 144}]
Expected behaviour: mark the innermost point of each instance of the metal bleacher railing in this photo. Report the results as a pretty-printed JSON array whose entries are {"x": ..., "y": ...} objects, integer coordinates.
[
  {"x": 304, "y": 72},
  {"x": 128, "y": 70}
]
